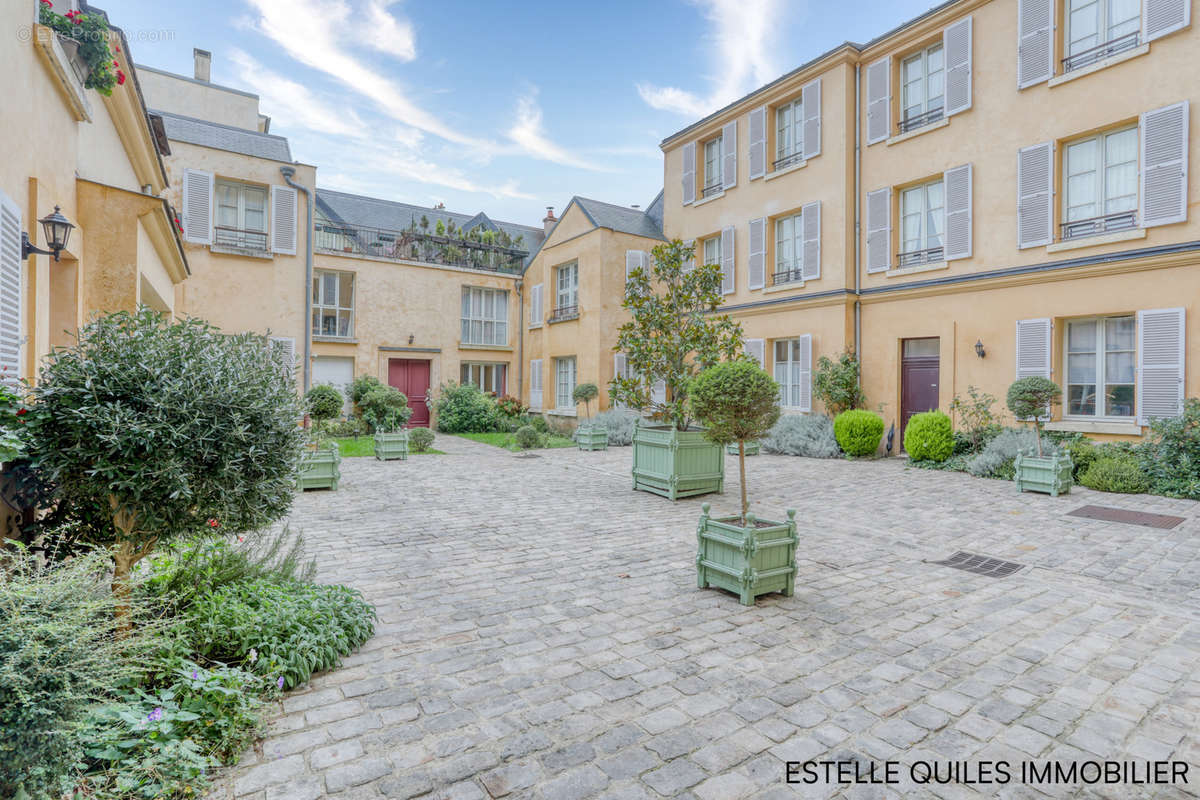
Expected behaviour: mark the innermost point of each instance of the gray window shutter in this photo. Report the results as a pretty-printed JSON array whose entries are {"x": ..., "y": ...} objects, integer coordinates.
[
  {"x": 757, "y": 349},
  {"x": 811, "y": 99},
  {"x": 535, "y": 383},
  {"x": 197, "y": 206},
  {"x": 11, "y": 294},
  {"x": 287, "y": 346},
  {"x": 879, "y": 230},
  {"x": 1160, "y": 363},
  {"x": 729, "y": 155},
  {"x": 689, "y": 173},
  {"x": 728, "y": 263},
  {"x": 758, "y": 253},
  {"x": 957, "y": 184},
  {"x": 805, "y": 376},
  {"x": 1033, "y": 348},
  {"x": 1160, "y": 17},
  {"x": 879, "y": 100},
  {"x": 956, "y": 44},
  {"x": 535, "y": 305},
  {"x": 1164, "y": 135},
  {"x": 283, "y": 220},
  {"x": 1035, "y": 195},
  {"x": 758, "y": 142},
  {"x": 811, "y": 222},
  {"x": 1035, "y": 42}
]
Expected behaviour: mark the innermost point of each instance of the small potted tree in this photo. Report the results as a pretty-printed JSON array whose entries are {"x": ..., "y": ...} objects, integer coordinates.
[
  {"x": 385, "y": 410},
  {"x": 319, "y": 467},
  {"x": 587, "y": 436},
  {"x": 1031, "y": 399},
  {"x": 738, "y": 402}
]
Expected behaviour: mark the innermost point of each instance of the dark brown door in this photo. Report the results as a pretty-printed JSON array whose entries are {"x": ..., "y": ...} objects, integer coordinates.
[
  {"x": 919, "y": 369},
  {"x": 411, "y": 376}
]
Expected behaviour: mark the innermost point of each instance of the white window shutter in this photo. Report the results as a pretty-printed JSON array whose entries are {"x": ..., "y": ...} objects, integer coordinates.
[
  {"x": 1035, "y": 195},
  {"x": 811, "y": 222},
  {"x": 535, "y": 304},
  {"x": 1033, "y": 348},
  {"x": 757, "y": 349},
  {"x": 11, "y": 292},
  {"x": 197, "y": 206},
  {"x": 729, "y": 155},
  {"x": 1161, "y": 346},
  {"x": 1164, "y": 135},
  {"x": 879, "y": 100},
  {"x": 728, "y": 267},
  {"x": 287, "y": 346},
  {"x": 1035, "y": 42},
  {"x": 956, "y": 44},
  {"x": 689, "y": 173},
  {"x": 811, "y": 99},
  {"x": 879, "y": 230},
  {"x": 758, "y": 253},
  {"x": 283, "y": 220},
  {"x": 957, "y": 185},
  {"x": 619, "y": 362},
  {"x": 805, "y": 381},
  {"x": 1160, "y": 17},
  {"x": 758, "y": 142},
  {"x": 535, "y": 383}
]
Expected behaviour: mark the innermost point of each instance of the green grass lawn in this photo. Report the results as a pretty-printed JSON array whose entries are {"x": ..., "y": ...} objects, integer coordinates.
[
  {"x": 359, "y": 446},
  {"x": 508, "y": 440}
]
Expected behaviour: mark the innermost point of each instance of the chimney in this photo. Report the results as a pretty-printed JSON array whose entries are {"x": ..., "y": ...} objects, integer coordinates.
[
  {"x": 635, "y": 207},
  {"x": 549, "y": 221},
  {"x": 203, "y": 60}
]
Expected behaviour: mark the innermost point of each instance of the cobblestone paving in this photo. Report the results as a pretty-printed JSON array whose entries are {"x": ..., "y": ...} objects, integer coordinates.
[{"x": 541, "y": 635}]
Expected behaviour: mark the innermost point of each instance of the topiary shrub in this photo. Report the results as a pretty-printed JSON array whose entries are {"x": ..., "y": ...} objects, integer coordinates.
[
  {"x": 323, "y": 402},
  {"x": 585, "y": 393},
  {"x": 464, "y": 408},
  {"x": 928, "y": 437},
  {"x": 858, "y": 432},
  {"x": 1031, "y": 399},
  {"x": 619, "y": 423},
  {"x": 385, "y": 409},
  {"x": 1112, "y": 474},
  {"x": 807, "y": 435},
  {"x": 420, "y": 439},
  {"x": 527, "y": 438}
]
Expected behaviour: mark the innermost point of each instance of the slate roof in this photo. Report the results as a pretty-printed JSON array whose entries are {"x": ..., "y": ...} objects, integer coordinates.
[
  {"x": 655, "y": 210},
  {"x": 224, "y": 137},
  {"x": 621, "y": 219}
]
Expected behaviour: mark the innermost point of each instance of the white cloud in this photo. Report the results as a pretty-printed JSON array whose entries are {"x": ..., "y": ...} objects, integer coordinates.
[
  {"x": 387, "y": 34},
  {"x": 528, "y": 133},
  {"x": 294, "y": 104}
]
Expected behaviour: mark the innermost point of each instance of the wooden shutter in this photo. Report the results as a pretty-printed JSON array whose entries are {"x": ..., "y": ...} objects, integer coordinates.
[
  {"x": 1164, "y": 135},
  {"x": 957, "y": 185},
  {"x": 1035, "y": 42},
  {"x": 689, "y": 173},
  {"x": 197, "y": 206},
  {"x": 287, "y": 346},
  {"x": 811, "y": 222},
  {"x": 535, "y": 384},
  {"x": 729, "y": 155},
  {"x": 879, "y": 230},
  {"x": 1035, "y": 195},
  {"x": 879, "y": 100},
  {"x": 283, "y": 220},
  {"x": 1160, "y": 17},
  {"x": 758, "y": 253},
  {"x": 956, "y": 44},
  {"x": 1033, "y": 348},
  {"x": 811, "y": 99},
  {"x": 804, "y": 376},
  {"x": 728, "y": 271},
  {"x": 11, "y": 294},
  {"x": 758, "y": 142},
  {"x": 1160, "y": 363},
  {"x": 757, "y": 349},
  {"x": 535, "y": 304}
]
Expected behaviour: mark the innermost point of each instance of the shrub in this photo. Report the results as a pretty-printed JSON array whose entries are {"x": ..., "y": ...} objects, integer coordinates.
[
  {"x": 540, "y": 424},
  {"x": 323, "y": 402},
  {"x": 996, "y": 459},
  {"x": 808, "y": 435},
  {"x": 1032, "y": 398},
  {"x": 351, "y": 426},
  {"x": 421, "y": 439},
  {"x": 385, "y": 409},
  {"x": 527, "y": 438},
  {"x": 858, "y": 432},
  {"x": 836, "y": 384},
  {"x": 618, "y": 422},
  {"x": 585, "y": 393},
  {"x": 1113, "y": 474},
  {"x": 1170, "y": 457},
  {"x": 928, "y": 437},
  {"x": 359, "y": 387},
  {"x": 510, "y": 406},
  {"x": 465, "y": 409},
  {"x": 975, "y": 419}
]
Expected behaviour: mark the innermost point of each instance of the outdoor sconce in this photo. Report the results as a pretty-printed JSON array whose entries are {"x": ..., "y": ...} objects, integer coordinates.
[
  {"x": 979, "y": 351},
  {"x": 410, "y": 338},
  {"x": 58, "y": 232}
]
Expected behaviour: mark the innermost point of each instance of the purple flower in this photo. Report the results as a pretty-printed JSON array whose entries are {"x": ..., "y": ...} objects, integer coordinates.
[
  {"x": 279, "y": 682},
  {"x": 195, "y": 675},
  {"x": 155, "y": 715}
]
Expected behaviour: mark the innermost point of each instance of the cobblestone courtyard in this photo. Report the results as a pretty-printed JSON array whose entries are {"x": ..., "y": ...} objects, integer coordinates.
[{"x": 541, "y": 635}]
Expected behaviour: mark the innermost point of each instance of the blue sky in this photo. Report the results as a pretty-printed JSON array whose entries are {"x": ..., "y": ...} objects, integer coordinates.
[{"x": 493, "y": 106}]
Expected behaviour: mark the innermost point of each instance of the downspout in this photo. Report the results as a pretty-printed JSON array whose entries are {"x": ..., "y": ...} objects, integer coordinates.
[
  {"x": 287, "y": 173},
  {"x": 520, "y": 287},
  {"x": 857, "y": 221}
]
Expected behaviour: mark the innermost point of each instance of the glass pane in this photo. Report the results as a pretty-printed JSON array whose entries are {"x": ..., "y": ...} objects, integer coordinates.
[
  {"x": 328, "y": 289},
  {"x": 316, "y": 289},
  {"x": 1124, "y": 17},
  {"x": 1081, "y": 337},
  {"x": 935, "y": 59},
  {"x": 921, "y": 347},
  {"x": 501, "y": 371},
  {"x": 316, "y": 322},
  {"x": 1119, "y": 400},
  {"x": 501, "y": 333},
  {"x": 466, "y": 330},
  {"x": 1081, "y": 400},
  {"x": 466, "y": 303},
  {"x": 502, "y": 306},
  {"x": 795, "y": 385},
  {"x": 464, "y": 375},
  {"x": 346, "y": 290},
  {"x": 1119, "y": 333},
  {"x": 255, "y": 199},
  {"x": 1081, "y": 368},
  {"x": 329, "y": 323},
  {"x": 344, "y": 319},
  {"x": 781, "y": 353},
  {"x": 1118, "y": 367},
  {"x": 1120, "y": 174},
  {"x": 477, "y": 331},
  {"x": 935, "y": 216}
]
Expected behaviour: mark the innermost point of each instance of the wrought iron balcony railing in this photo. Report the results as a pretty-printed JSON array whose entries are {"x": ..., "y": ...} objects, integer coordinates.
[
  {"x": 915, "y": 258},
  {"x": 921, "y": 120},
  {"x": 712, "y": 189},
  {"x": 787, "y": 276},
  {"x": 416, "y": 245},
  {"x": 1101, "y": 52},
  {"x": 1092, "y": 226},
  {"x": 787, "y": 159},
  {"x": 241, "y": 239}
]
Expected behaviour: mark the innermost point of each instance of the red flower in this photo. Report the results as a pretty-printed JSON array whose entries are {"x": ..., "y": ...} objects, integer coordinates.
[
  {"x": 22, "y": 412},
  {"x": 116, "y": 64},
  {"x": 117, "y": 48},
  {"x": 120, "y": 78},
  {"x": 47, "y": 4},
  {"x": 212, "y": 523}
]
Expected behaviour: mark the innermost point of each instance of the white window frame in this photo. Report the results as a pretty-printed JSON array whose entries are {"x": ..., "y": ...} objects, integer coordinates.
[
  {"x": 795, "y": 129},
  {"x": 713, "y": 242},
  {"x": 787, "y": 372},
  {"x": 476, "y": 324},
  {"x": 476, "y": 375},
  {"x": 1100, "y": 199},
  {"x": 796, "y": 264},
  {"x": 713, "y": 167},
  {"x": 240, "y": 234},
  {"x": 565, "y": 378},
  {"x": 340, "y": 307},
  {"x": 1104, "y": 26},
  {"x": 1100, "y": 354},
  {"x": 566, "y": 295},
  {"x": 927, "y": 214},
  {"x": 923, "y": 82}
]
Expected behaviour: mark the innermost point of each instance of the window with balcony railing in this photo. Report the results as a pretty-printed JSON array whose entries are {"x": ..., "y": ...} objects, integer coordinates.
[
  {"x": 333, "y": 304},
  {"x": 922, "y": 89},
  {"x": 1097, "y": 29},
  {"x": 566, "y": 295},
  {"x": 1100, "y": 184},
  {"x": 789, "y": 134},
  {"x": 713, "y": 183},
  {"x": 484, "y": 316},
  {"x": 789, "y": 250},
  {"x": 922, "y": 220},
  {"x": 241, "y": 216}
]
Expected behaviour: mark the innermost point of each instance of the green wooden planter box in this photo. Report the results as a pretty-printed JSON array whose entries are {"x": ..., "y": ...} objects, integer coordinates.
[
  {"x": 319, "y": 469},
  {"x": 749, "y": 560},
  {"x": 1049, "y": 474},
  {"x": 675, "y": 463},
  {"x": 389, "y": 446},
  {"x": 752, "y": 448},
  {"x": 591, "y": 438}
]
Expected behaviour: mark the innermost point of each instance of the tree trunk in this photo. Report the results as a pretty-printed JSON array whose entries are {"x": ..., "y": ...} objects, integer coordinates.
[
  {"x": 125, "y": 557},
  {"x": 1037, "y": 434},
  {"x": 742, "y": 471}
]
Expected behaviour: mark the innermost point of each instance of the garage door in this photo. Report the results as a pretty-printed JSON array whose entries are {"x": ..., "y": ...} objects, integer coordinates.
[{"x": 336, "y": 371}]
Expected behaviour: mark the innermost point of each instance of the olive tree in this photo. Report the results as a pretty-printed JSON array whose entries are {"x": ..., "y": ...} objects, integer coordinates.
[
  {"x": 150, "y": 429},
  {"x": 1031, "y": 398}
]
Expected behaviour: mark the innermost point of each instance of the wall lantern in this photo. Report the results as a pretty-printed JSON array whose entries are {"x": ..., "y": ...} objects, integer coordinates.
[
  {"x": 58, "y": 231},
  {"x": 979, "y": 351},
  {"x": 411, "y": 338}
]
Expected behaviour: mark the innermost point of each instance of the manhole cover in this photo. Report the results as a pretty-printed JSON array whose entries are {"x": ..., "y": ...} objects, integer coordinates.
[
  {"x": 981, "y": 565},
  {"x": 1109, "y": 514}
]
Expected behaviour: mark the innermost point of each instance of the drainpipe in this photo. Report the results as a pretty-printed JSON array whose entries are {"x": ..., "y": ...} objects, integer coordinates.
[
  {"x": 857, "y": 221},
  {"x": 287, "y": 173},
  {"x": 520, "y": 287}
]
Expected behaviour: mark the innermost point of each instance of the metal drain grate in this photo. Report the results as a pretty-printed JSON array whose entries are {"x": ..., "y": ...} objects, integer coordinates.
[
  {"x": 1109, "y": 514},
  {"x": 981, "y": 565}
]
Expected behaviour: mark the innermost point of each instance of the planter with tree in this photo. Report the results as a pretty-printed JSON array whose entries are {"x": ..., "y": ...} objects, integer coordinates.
[
  {"x": 587, "y": 436},
  {"x": 738, "y": 402},
  {"x": 1038, "y": 470},
  {"x": 320, "y": 466},
  {"x": 385, "y": 410},
  {"x": 675, "y": 332}
]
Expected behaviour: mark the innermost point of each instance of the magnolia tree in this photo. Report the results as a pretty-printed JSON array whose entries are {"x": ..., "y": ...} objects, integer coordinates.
[
  {"x": 674, "y": 332},
  {"x": 738, "y": 402},
  {"x": 150, "y": 430},
  {"x": 1031, "y": 398}
]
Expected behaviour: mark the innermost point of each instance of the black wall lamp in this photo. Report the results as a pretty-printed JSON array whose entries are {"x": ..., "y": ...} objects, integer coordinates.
[
  {"x": 58, "y": 231},
  {"x": 979, "y": 351}
]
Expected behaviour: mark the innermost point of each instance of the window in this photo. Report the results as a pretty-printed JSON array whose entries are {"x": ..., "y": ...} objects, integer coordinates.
[
  {"x": 333, "y": 303},
  {"x": 241, "y": 216},
  {"x": 712, "y": 167},
  {"x": 484, "y": 316},
  {"x": 922, "y": 218},
  {"x": 712, "y": 251},
  {"x": 488, "y": 377},
  {"x": 564, "y": 382},
  {"x": 1100, "y": 174},
  {"x": 1097, "y": 29},
  {"x": 789, "y": 373},
  {"x": 789, "y": 133},
  {"x": 1101, "y": 355},
  {"x": 922, "y": 88},
  {"x": 567, "y": 280},
  {"x": 789, "y": 249}
]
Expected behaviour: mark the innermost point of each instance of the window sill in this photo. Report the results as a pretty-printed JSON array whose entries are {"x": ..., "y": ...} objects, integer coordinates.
[
  {"x": 1094, "y": 426},
  {"x": 1097, "y": 240},
  {"x": 535, "y": 326},
  {"x": 904, "y": 137},
  {"x": 783, "y": 287},
  {"x": 466, "y": 346},
  {"x": 241, "y": 251},
  {"x": 779, "y": 173},
  {"x": 1140, "y": 50},
  {"x": 932, "y": 266},
  {"x": 335, "y": 339},
  {"x": 716, "y": 196},
  {"x": 568, "y": 318},
  {"x": 561, "y": 412}
]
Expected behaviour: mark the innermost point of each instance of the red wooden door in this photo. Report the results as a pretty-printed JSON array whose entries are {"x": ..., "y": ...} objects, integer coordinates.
[
  {"x": 919, "y": 376},
  {"x": 411, "y": 376}
]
